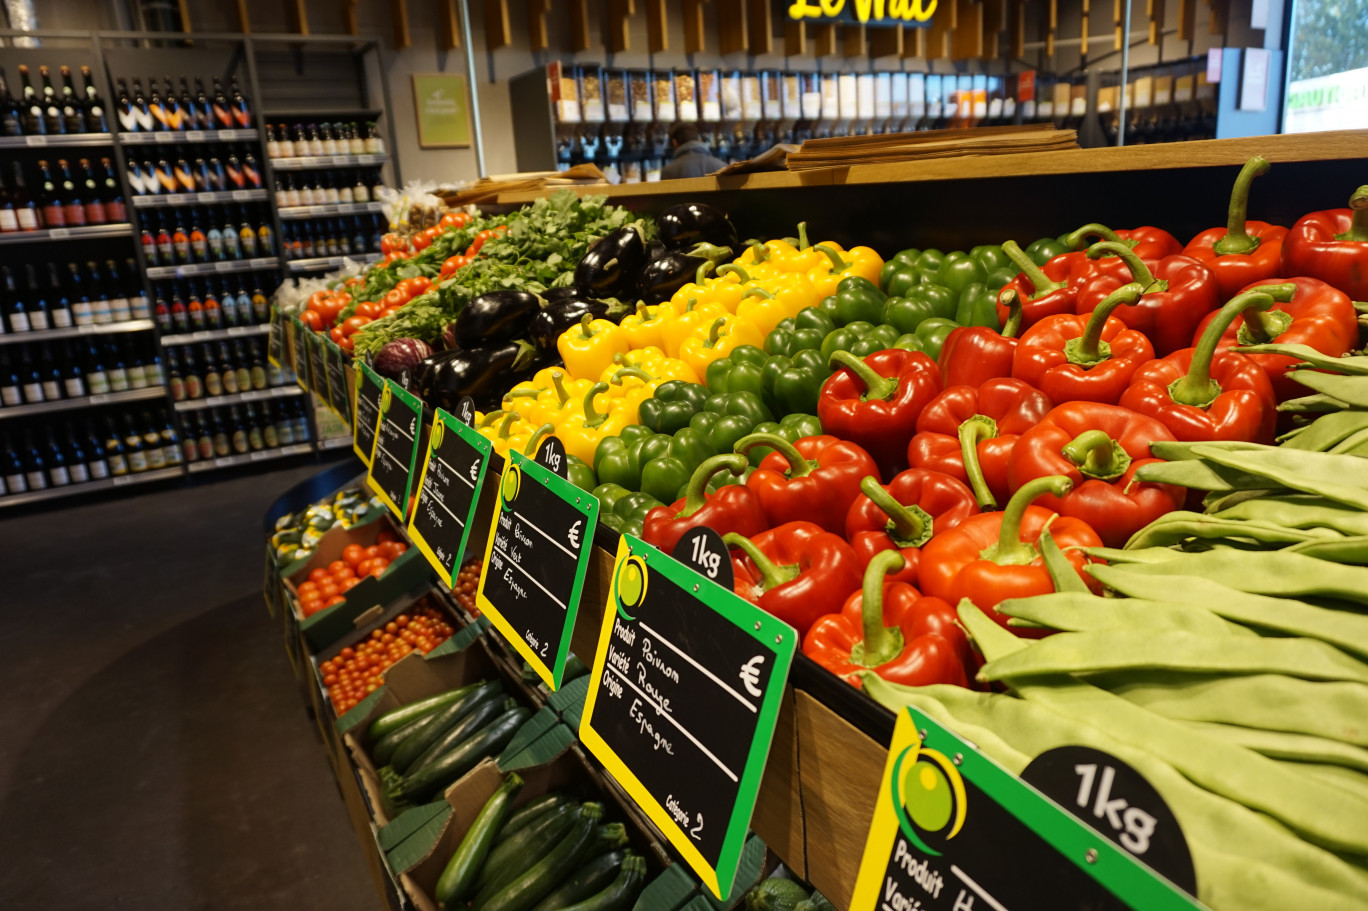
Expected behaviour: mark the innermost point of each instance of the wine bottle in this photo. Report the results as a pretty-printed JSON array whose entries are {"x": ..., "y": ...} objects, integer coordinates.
[
  {"x": 11, "y": 389},
  {"x": 166, "y": 250},
  {"x": 116, "y": 292},
  {"x": 96, "y": 461},
  {"x": 251, "y": 174},
  {"x": 156, "y": 107},
  {"x": 222, "y": 442},
  {"x": 25, "y": 206},
  {"x": 116, "y": 369},
  {"x": 152, "y": 442},
  {"x": 101, "y": 307},
  {"x": 260, "y": 376},
  {"x": 149, "y": 243},
  {"x": 12, "y": 467},
  {"x": 57, "y": 473},
  {"x": 185, "y": 177},
  {"x": 73, "y": 382},
  {"x": 194, "y": 308},
  {"x": 16, "y": 314},
  {"x": 136, "y": 294},
  {"x": 194, "y": 383},
  {"x": 61, "y": 313},
  {"x": 92, "y": 108},
  {"x": 138, "y": 181},
  {"x": 233, "y": 169},
  {"x": 92, "y": 195},
  {"x": 268, "y": 428},
  {"x": 36, "y": 305},
  {"x": 272, "y": 143},
  {"x": 180, "y": 317},
  {"x": 286, "y": 143},
  {"x": 53, "y": 124},
  {"x": 180, "y": 239},
  {"x": 115, "y": 453},
  {"x": 127, "y": 114},
  {"x": 247, "y": 235},
  {"x": 227, "y": 371},
  {"x": 223, "y": 118},
  {"x": 35, "y": 469},
  {"x": 30, "y": 109},
  {"x": 54, "y": 214},
  {"x": 243, "y": 367},
  {"x": 174, "y": 381},
  {"x": 189, "y": 449},
  {"x": 73, "y": 118},
  {"x": 133, "y": 447},
  {"x": 11, "y": 118},
  {"x": 204, "y": 115},
  {"x": 73, "y": 207},
  {"x": 175, "y": 117},
  {"x": 242, "y": 111},
  {"x": 30, "y": 381},
  {"x": 51, "y": 374},
  {"x": 204, "y": 435},
  {"x": 232, "y": 243},
  {"x": 171, "y": 449},
  {"x": 111, "y": 193},
  {"x": 261, "y": 306},
  {"x": 97, "y": 379},
  {"x": 213, "y": 377},
  {"x": 76, "y": 460}
]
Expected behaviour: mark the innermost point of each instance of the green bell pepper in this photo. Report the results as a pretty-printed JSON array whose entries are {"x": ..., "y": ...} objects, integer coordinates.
[
  {"x": 580, "y": 473},
  {"x": 796, "y": 333},
  {"x": 792, "y": 384},
  {"x": 977, "y": 306},
  {"x": 662, "y": 478},
  {"x": 722, "y": 430},
  {"x": 1047, "y": 248},
  {"x": 670, "y": 408},
  {"x": 630, "y": 511},
  {"x": 929, "y": 263},
  {"x": 619, "y": 462},
  {"x": 929, "y": 337},
  {"x": 920, "y": 302},
  {"x": 959, "y": 270},
  {"x": 989, "y": 256},
  {"x": 690, "y": 447},
  {"x": 793, "y": 427},
  {"x": 608, "y": 494},
  {"x": 903, "y": 263},
  {"x": 747, "y": 403},
  {"x": 725, "y": 478},
  {"x": 861, "y": 336},
  {"x": 738, "y": 372},
  {"x": 999, "y": 277},
  {"x": 857, "y": 299}
]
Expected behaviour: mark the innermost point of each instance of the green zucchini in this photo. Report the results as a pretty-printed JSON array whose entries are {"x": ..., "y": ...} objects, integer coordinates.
[
  {"x": 608, "y": 837},
  {"x": 620, "y": 893},
  {"x": 509, "y": 857},
  {"x": 459, "y": 875},
  {"x": 392, "y": 721},
  {"x": 384, "y": 748},
  {"x": 590, "y": 879},
  {"x": 442, "y": 771},
  {"x": 820, "y": 902},
  {"x": 548, "y": 871},
  {"x": 480, "y": 715},
  {"x": 776, "y": 894},
  {"x": 530, "y": 812},
  {"x": 438, "y": 723}
]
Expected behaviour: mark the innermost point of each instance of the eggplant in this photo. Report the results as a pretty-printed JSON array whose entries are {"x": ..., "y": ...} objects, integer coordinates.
[
  {"x": 547, "y": 326},
  {"x": 609, "y": 268},
  {"x": 415, "y": 378},
  {"x": 481, "y": 373},
  {"x": 556, "y": 295},
  {"x": 655, "y": 249},
  {"x": 496, "y": 316},
  {"x": 660, "y": 278},
  {"x": 695, "y": 222}
]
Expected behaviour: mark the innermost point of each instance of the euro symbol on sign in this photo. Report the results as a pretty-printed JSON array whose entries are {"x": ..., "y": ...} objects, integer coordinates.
[
  {"x": 750, "y": 675},
  {"x": 474, "y": 471},
  {"x": 574, "y": 533}
]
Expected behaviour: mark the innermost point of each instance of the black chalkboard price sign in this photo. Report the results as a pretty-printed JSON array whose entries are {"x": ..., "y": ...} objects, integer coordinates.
[
  {"x": 337, "y": 381},
  {"x": 275, "y": 342},
  {"x": 396, "y": 447},
  {"x": 535, "y": 561},
  {"x": 318, "y": 367},
  {"x": 301, "y": 353},
  {"x": 682, "y": 704},
  {"x": 366, "y": 407},
  {"x": 448, "y": 493}
]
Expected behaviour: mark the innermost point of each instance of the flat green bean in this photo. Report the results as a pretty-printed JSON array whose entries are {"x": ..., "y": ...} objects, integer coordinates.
[
  {"x": 1077, "y": 612},
  {"x": 1329, "y": 476},
  {"x": 1301, "y": 510},
  {"x": 1283, "y": 745},
  {"x": 1180, "y": 525},
  {"x": 923, "y": 700},
  {"x": 1217, "y": 501},
  {"x": 1148, "y": 555},
  {"x": 1352, "y": 390},
  {"x": 1179, "y": 450},
  {"x": 1326, "y": 431},
  {"x": 1343, "y": 629},
  {"x": 1349, "y": 779},
  {"x": 1354, "y": 444},
  {"x": 1062, "y": 572},
  {"x": 1114, "y": 650},
  {"x": 1313, "y": 404},
  {"x": 1341, "y": 550},
  {"x": 1275, "y": 573},
  {"x": 1199, "y": 475},
  {"x": 1273, "y": 702},
  {"x": 1357, "y": 366}
]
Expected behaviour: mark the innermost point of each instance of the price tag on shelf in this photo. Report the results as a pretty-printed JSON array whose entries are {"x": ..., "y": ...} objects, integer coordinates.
[
  {"x": 396, "y": 447},
  {"x": 338, "y": 397},
  {"x": 449, "y": 491},
  {"x": 318, "y": 367},
  {"x": 122, "y": 480},
  {"x": 366, "y": 406},
  {"x": 224, "y": 462},
  {"x": 683, "y": 701},
  {"x": 241, "y": 195},
  {"x": 100, "y": 399},
  {"x": 59, "y": 233},
  {"x": 223, "y": 267},
  {"x": 35, "y": 141},
  {"x": 194, "y": 136},
  {"x": 164, "y": 137},
  {"x": 947, "y": 816},
  {"x": 535, "y": 559},
  {"x": 260, "y": 454}
]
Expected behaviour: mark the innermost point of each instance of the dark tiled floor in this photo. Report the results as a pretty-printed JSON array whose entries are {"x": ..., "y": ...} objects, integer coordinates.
[{"x": 154, "y": 749}]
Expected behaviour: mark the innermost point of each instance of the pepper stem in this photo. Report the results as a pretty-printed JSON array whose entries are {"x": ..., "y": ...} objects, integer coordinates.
[
  {"x": 584, "y": 325},
  {"x": 701, "y": 273},
  {"x": 881, "y": 644},
  {"x": 1236, "y": 239},
  {"x": 1040, "y": 282},
  {"x": 643, "y": 312},
  {"x": 772, "y": 575},
  {"x": 734, "y": 269},
  {"x": 1097, "y": 455},
  {"x": 633, "y": 371},
  {"x": 1358, "y": 227},
  {"x": 696, "y": 491},
  {"x": 535, "y": 440},
  {"x": 593, "y": 418},
  {"x": 876, "y": 386},
  {"x": 757, "y": 291},
  {"x": 1196, "y": 387},
  {"x": 1138, "y": 270},
  {"x": 1077, "y": 240},
  {"x": 974, "y": 430},
  {"x": 491, "y": 419},
  {"x": 837, "y": 264},
  {"x": 802, "y": 236},
  {"x": 507, "y": 426},
  {"x": 759, "y": 252},
  {"x": 1012, "y": 301},
  {"x": 1010, "y": 549},
  {"x": 1262, "y": 327},
  {"x": 799, "y": 467},
  {"x": 908, "y": 526},
  {"x": 714, "y": 331},
  {"x": 1089, "y": 349},
  {"x": 558, "y": 383}
]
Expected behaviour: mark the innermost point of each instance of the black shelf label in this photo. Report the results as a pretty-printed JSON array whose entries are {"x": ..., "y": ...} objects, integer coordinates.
[
  {"x": 318, "y": 367},
  {"x": 682, "y": 704},
  {"x": 301, "y": 354},
  {"x": 337, "y": 381},
  {"x": 275, "y": 342},
  {"x": 448, "y": 493},
  {"x": 535, "y": 560},
  {"x": 396, "y": 447},
  {"x": 369, "y": 388}
]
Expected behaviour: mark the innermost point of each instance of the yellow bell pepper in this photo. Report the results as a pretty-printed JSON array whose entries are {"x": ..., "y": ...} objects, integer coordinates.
[
  {"x": 526, "y": 439},
  {"x": 841, "y": 264},
  {"x": 724, "y": 334},
  {"x": 630, "y": 391},
  {"x": 500, "y": 432},
  {"x": 689, "y": 293},
  {"x": 661, "y": 368},
  {"x": 698, "y": 317},
  {"x": 643, "y": 328},
  {"x": 768, "y": 259},
  {"x": 585, "y": 426},
  {"x": 588, "y": 348},
  {"x": 537, "y": 400},
  {"x": 766, "y": 303}
]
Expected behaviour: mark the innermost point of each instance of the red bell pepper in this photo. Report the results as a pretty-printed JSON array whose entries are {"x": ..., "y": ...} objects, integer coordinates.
[
  {"x": 1098, "y": 448},
  {"x": 814, "y": 480},
  {"x": 1243, "y": 252},
  {"x": 974, "y": 354},
  {"x": 797, "y": 571},
  {"x": 1088, "y": 357},
  {"x": 904, "y": 515},
  {"x": 874, "y": 402},
  {"x": 1201, "y": 394},
  {"x": 984, "y": 423},
  {"x": 1332, "y": 246},
  {"x": 1179, "y": 291},
  {"x": 1317, "y": 315},
  {"x": 890, "y": 629},
  {"x": 732, "y": 508},
  {"x": 1043, "y": 290},
  {"x": 993, "y": 556},
  {"x": 1147, "y": 242}
]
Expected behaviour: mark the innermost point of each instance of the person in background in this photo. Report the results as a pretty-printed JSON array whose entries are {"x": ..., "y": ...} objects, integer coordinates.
[{"x": 691, "y": 156}]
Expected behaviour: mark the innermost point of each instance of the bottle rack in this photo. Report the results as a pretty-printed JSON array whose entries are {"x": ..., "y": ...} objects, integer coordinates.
[{"x": 112, "y": 56}]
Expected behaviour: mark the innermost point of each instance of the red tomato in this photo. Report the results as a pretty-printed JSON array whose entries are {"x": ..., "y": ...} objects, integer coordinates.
[
  {"x": 369, "y": 309},
  {"x": 350, "y": 327},
  {"x": 335, "y": 599},
  {"x": 379, "y": 569},
  {"x": 385, "y": 536},
  {"x": 346, "y": 344},
  {"x": 337, "y": 566},
  {"x": 335, "y": 333},
  {"x": 395, "y": 298},
  {"x": 419, "y": 284},
  {"x": 392, "y": 549},
  {"x": 392, "y": 243},
  {"x": 353, "y": 554},
  {"x": 329, "y": 308},
  {"x": 318, "y": 575},
  {"x": 311, "y": 319}
]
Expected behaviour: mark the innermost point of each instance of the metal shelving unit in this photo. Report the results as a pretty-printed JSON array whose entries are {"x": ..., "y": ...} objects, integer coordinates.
[
  {"x": 226, "y": 267},
  {"x": 344, "y": 208},
  {"x": 160, "y": 201},
  {"x": 187, "y": 136},
  {"x": 89, "y": 232},
  {"x": 136, "y": 325},
  {"x": 209, "y": 335},
  {"x": 70, "y": 490},
  {"x": 88, "y": 401},
  {"x": 255, "y": 395},
  {"x": 318, "y": 262},
  {"x": 65, "y": 141},
  {"x": 318, "y": 162},
  {"x": 261, "y": 455}
]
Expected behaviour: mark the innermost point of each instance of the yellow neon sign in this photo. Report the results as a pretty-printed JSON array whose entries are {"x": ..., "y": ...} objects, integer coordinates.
[{"x": 865, "y": 10}]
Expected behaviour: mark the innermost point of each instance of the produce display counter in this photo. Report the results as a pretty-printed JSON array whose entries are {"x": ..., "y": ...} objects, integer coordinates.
[{"x": 834, "y": 803}]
